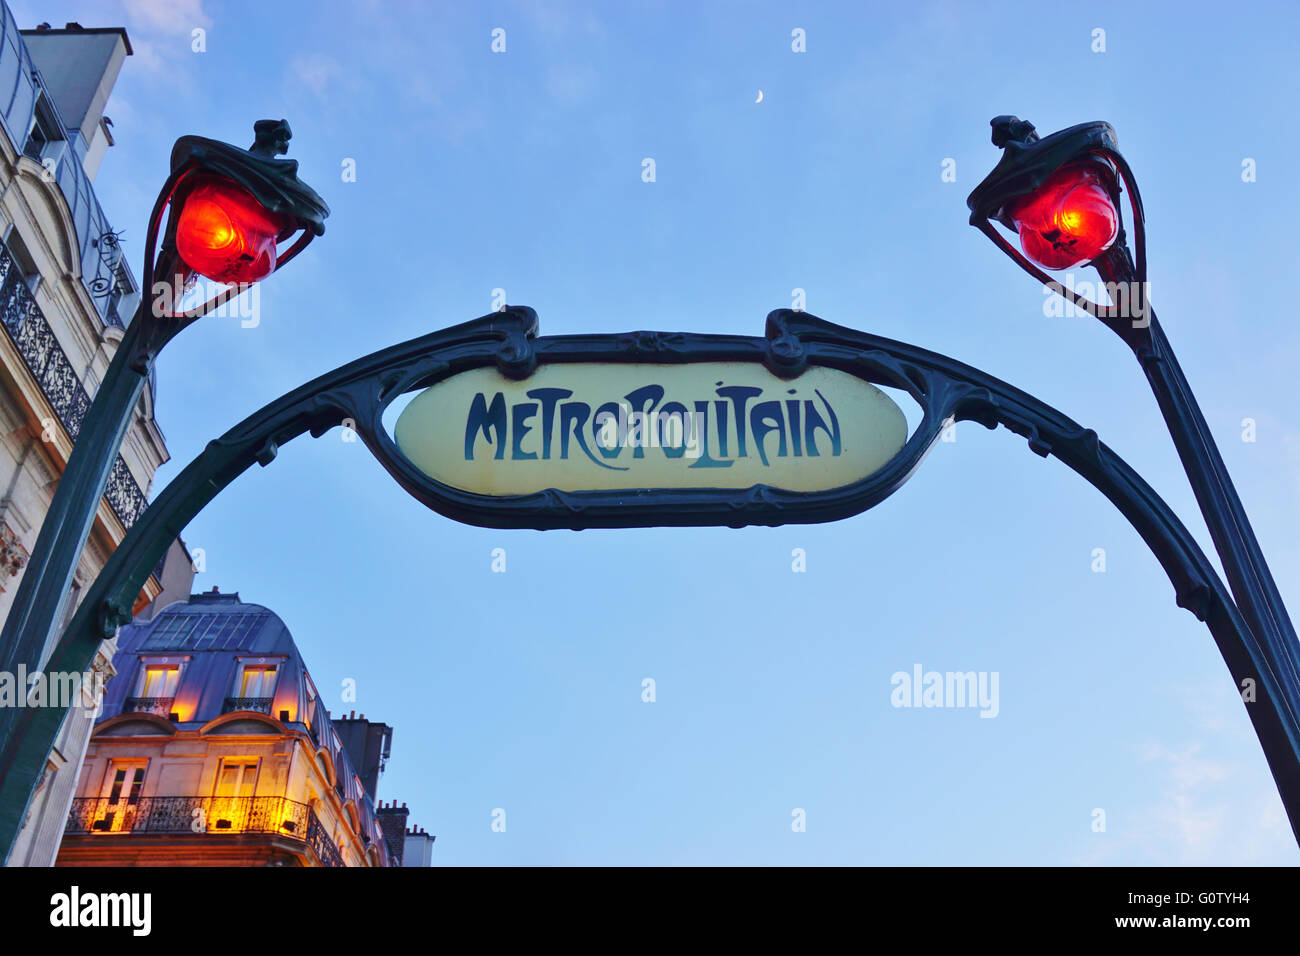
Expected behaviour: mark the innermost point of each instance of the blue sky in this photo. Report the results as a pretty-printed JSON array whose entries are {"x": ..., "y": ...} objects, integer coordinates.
[{"x": 522, "y": 170}]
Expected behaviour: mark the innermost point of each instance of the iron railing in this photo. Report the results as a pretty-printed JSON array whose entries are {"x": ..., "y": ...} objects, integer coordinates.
[
  {"x": 160, "y": 706},
  {"x": 322, "y": 844},
  {"x": 54, "y": 373},
  {"x": 278, "y": 816},
  {"x": 260, "y": 704}
]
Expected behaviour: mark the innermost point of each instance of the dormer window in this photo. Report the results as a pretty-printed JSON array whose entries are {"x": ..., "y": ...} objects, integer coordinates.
[
  {"x": 155, "y": 689},
  {"x": 254, "y": 686},
  {"x": 159, "y": 680},
  {"x": 257, "y": 681},
  {"x": 45, "y": 139}
]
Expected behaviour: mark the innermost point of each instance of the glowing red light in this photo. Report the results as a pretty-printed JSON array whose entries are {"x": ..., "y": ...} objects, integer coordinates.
[
  {"x": 1069, "y": 220},
  {"x": 227, "y": 235}
]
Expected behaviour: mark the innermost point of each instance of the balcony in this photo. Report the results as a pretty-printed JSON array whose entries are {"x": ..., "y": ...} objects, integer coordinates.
[
  {"x": 321, "y": 844},
  {"x": 260, "y": 704},
  {"x": 273, "y": 816},
  {"x": 57, "y": 379},
  {"x": 158, "y": 706}
]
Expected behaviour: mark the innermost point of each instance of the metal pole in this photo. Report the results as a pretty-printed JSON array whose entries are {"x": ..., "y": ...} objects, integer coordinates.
[
  {"x": 29, "y": 629},
  {"x": 68, "y": 522},
  {"x": 1234, "y": 539}
]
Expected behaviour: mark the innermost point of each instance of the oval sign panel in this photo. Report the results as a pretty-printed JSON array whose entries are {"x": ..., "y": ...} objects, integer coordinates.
[{"x": 589, "y": 426}]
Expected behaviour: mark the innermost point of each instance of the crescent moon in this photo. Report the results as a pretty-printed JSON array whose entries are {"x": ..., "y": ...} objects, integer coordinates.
[{"x": 760, "y": 97}]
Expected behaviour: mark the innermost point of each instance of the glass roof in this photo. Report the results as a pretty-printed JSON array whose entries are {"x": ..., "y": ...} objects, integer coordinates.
[{"x": 205, "y": 632}]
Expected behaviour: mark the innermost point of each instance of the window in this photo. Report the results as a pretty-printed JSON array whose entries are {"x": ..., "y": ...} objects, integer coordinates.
[
  {"x": 311, "y": 705},
  {"x": 236, "y": 777},
  {"x": 230, "y": 808},
  {"x": 120, "y": 289},
  {"x": 45, "y": 138},
  {"x": 257, "y": 681},
  {"x": 127, "y": 784},
  {"x": 21, "y": 258},
  {"x": 159, "y": 680},
  {"x": 123, "y": 781}
]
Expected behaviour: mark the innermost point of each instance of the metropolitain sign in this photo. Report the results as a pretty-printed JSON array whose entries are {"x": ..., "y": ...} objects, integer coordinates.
[
  {"x": 579, "y": 426},
  {"x": 644, "y": 428}
]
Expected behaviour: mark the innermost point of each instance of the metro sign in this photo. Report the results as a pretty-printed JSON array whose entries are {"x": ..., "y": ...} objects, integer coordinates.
[
  {"x": 641, "y": 429},
  {"x": 580, "y": 426}
]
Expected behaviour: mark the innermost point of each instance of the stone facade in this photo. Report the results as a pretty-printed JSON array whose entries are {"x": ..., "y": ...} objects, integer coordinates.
[{"x": 66, "y": 293}]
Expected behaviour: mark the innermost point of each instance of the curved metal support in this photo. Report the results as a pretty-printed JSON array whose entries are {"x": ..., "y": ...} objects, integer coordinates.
[{"x": 946, "y": 389}]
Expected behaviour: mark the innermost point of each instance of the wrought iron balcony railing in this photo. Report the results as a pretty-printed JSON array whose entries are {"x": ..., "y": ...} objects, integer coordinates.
[
  {"x": 54, "y": 373},
  {"x": 322, "y": 844},
  {"x": 260, "y": 704},
  {"x": 161, "y": 706},
  {"x": 276, "y": 816}
]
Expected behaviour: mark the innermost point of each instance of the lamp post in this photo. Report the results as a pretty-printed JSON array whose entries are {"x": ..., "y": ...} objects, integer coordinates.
[
  {"x": 229, "y": 210},
  {"x": 1061, "y": 194}
]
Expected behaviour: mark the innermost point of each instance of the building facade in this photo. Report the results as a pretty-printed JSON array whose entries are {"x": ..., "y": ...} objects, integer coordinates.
[
  {"x": 66, "y": 295},
  {"x": 214, "y": 748}
]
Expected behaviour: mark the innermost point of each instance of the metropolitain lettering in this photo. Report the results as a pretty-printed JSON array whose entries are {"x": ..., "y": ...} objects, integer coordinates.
[{"x": 736, "y": 422}]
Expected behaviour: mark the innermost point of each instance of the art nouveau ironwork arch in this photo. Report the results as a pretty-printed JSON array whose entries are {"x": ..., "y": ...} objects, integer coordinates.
[{"x": 945, "y": 389}]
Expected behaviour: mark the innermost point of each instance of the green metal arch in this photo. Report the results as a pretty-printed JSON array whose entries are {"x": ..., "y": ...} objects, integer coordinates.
[{"x": 946, "y": 389}]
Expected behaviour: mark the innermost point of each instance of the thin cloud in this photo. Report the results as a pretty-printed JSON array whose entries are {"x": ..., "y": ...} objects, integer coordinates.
[
  {"x": 162, "y": 32},
  {"x": 1211, "y": 811},
  {"x": 315, "y": 72},
  {"x": 167, "y": 16}
]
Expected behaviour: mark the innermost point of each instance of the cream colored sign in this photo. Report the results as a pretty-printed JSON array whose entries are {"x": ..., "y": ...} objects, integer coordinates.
[{"x": 592, "y": 426}]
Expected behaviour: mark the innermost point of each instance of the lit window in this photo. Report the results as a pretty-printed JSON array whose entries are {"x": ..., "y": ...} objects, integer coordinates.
[
  {"x": 120, "y": 794},
  {"x": 159, "y": 680},
  {"x": 231, "y": 807},
  {"x": 127, "y": 783},
  {"x": 257, "y": 680},
  {"x": 236, "y": 778}
]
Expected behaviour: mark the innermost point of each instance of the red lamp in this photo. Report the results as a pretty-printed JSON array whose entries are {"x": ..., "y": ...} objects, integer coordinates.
[
  {"x": 1070, "y": 219},
  {"x": 225, "y": 234}
]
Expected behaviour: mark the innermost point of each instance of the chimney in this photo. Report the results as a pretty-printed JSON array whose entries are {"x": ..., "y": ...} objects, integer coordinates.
[
  {"x": 368, "y": 744},
  {"x": 393, "y": 820}
]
